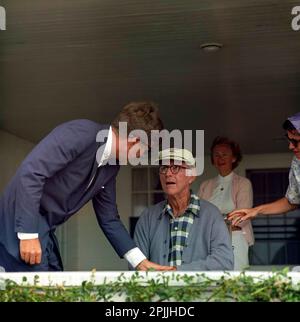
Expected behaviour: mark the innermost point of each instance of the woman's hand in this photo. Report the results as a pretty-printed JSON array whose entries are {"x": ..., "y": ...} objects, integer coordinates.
[{"x": 238, "y": 216}]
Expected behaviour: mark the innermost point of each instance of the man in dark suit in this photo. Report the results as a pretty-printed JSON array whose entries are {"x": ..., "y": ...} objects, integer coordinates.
[{"x": 60, "y": 175}]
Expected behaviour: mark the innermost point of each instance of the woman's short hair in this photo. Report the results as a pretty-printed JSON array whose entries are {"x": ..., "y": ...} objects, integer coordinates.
[
  {"x": 234, "y": 146},
  {"x": 139, "y": 116}
]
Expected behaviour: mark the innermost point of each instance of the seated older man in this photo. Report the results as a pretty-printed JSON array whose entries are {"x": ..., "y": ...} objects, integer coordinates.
[{"x": 183, "y": 231}]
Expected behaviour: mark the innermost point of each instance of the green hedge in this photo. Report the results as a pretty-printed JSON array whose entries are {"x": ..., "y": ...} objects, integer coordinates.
[{"x": 243, "y": 288}]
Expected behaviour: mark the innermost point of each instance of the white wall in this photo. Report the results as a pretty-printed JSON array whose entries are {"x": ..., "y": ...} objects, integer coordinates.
[{"x": 13, "y": 151}]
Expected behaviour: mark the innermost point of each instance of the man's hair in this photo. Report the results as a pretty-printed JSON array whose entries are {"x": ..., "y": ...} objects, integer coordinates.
[
  {"x": 288, "y": 126},
  {"x": 235, "y": 148},
  {"x": 139, "y": 116}
]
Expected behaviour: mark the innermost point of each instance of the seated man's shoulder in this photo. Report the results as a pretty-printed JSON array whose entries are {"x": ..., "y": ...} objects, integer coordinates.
[
  {"x": 151, "y": 214},
  {"x": 154, "y": 210}
]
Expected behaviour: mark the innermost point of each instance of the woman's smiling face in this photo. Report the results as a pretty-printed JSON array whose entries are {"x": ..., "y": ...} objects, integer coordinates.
[{"x": 223, "y": 158}]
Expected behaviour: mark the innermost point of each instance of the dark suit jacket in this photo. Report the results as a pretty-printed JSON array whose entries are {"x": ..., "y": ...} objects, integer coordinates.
[{"x": 51, "y": 185}]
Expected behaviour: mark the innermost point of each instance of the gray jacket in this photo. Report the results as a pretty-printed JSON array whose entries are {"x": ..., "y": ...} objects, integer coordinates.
[{"x": 209, "y": 245}]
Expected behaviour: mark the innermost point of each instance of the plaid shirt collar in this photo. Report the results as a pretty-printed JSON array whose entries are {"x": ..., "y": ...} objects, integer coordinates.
[{"x": 193, "y": 207}]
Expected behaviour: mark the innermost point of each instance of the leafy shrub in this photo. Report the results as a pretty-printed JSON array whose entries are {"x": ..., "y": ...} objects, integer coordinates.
[{"x": 243, "y": 288}]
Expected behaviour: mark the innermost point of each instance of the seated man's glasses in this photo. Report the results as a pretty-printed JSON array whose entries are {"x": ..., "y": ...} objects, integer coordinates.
[
  {"x": 293, "y": 141},
  {"x": 163, "y": 169}
]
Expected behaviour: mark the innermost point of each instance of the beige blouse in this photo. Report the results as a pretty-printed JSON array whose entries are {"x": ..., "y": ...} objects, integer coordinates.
[{"x": 242, "y": 196}]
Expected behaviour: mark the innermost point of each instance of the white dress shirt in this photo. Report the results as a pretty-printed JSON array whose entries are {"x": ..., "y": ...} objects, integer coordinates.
[
  {"x": 134, "y": 256},
  {"x": 222, "y": 195}
]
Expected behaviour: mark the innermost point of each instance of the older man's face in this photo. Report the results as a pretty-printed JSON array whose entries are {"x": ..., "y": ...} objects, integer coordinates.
[{"x": 174, "y": 179}]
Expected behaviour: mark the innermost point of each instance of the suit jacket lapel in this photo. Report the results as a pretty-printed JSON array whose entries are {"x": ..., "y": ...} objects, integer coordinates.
[{"x": 95, "y": 168}]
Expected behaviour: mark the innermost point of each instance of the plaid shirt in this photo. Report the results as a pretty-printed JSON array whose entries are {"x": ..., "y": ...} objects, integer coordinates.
[{"x": 180, "y": 228}]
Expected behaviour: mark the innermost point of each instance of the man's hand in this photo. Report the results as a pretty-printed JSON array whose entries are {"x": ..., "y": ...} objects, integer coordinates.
[
  {"x": 238, "y": 216},
  {"x": 146, "y": 265},
  {"x": 31, "y": 251}
]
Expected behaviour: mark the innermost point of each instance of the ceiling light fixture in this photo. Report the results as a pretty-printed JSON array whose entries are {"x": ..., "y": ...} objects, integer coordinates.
[{"x": 211, "y": 47}]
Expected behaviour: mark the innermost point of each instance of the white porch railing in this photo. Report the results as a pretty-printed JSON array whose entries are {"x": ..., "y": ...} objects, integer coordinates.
[
  {"x": 158, "y": 286},
  {"x": 76, "y": 278}
]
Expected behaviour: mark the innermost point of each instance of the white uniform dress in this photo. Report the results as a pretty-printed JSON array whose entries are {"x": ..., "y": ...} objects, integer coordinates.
[{"x": 222, "y": 198}]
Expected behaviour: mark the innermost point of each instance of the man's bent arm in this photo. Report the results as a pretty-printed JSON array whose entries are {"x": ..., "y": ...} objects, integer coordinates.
[{"x": 52, "y": 154}]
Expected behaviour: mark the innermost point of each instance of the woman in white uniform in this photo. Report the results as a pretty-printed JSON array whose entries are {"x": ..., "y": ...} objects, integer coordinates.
[{"x": 229, "y": 191}]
